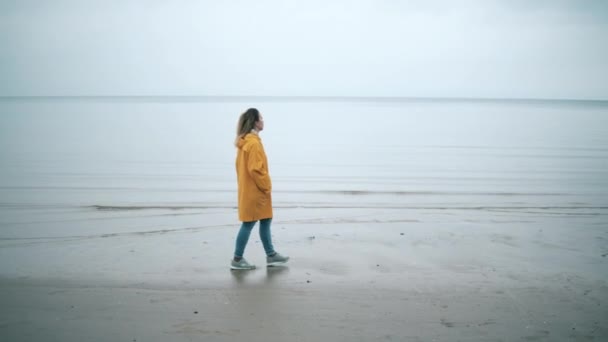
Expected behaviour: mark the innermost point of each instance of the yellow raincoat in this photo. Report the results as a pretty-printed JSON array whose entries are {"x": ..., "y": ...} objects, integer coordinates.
[{"x": 255, "y": 186}]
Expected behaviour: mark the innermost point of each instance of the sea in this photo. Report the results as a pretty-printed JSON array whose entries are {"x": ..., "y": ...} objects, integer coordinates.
[{"x": 74, "y": 167}]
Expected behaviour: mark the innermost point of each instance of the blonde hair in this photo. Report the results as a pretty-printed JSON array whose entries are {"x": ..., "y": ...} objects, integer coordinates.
[{"x": 246, "y": 123}]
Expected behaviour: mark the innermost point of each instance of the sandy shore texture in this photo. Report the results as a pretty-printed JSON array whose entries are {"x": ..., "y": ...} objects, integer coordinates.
[{"x": 369, "y": 274}]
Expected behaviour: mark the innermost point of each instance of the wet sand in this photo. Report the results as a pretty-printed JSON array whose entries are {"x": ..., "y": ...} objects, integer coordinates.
[{"x": 356, "y": 275}]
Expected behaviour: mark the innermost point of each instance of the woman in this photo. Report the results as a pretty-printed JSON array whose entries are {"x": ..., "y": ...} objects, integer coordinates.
[{"x": 255, "y": 201}]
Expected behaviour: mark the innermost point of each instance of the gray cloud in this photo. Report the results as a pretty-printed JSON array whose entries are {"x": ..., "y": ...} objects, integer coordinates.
[{"x": 548, "y": 49}]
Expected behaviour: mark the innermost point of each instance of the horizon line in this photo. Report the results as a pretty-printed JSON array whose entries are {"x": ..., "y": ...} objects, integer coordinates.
[{"x": 191, "y": 98}]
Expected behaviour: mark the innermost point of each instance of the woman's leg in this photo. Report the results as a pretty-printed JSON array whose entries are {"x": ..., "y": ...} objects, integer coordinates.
[
  {"x": 242, "y": 238},
  {"x": 266, "y": 237}
]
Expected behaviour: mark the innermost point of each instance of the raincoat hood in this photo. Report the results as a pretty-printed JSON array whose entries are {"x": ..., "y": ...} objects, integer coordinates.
[{"x": 247, "y": 140}]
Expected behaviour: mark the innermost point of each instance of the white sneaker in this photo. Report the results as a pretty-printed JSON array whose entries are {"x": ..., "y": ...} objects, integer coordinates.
[
  {"x": 276, "y": 259},
  {"x": 241, "y": 265}
]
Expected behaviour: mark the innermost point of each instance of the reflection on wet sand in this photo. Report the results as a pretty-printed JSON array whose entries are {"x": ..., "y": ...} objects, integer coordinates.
[{"x": 255, "y": 276}]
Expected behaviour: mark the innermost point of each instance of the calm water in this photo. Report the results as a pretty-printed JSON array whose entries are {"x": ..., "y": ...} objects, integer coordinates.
[{"x": 70, "y": 166}]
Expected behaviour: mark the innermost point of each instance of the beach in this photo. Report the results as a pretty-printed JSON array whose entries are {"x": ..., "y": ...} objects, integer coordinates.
[
  {"x": 398, "y": 229},
  {"x": 489, "y": 280}
]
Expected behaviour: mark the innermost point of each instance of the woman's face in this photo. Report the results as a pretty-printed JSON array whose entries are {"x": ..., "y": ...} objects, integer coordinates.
[{"x": 259, "y": 125}]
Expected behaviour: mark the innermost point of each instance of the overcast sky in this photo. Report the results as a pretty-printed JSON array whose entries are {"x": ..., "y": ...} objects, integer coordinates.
[{"x": 511, "y": 48}]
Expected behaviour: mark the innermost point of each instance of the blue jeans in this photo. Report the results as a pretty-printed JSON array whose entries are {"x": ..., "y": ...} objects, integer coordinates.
[{"x": 245, "y": 231}]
